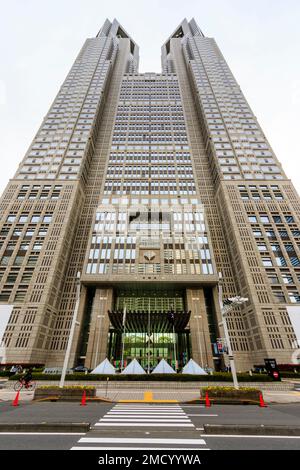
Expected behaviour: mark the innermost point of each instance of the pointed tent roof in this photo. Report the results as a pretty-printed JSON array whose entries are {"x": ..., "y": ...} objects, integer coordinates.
[
  {"x": 163, "y": 368},
  {"x": 193, "y": 368},
  {"x": 133, "y": 368},
  {"x": 104, "y": 368}
]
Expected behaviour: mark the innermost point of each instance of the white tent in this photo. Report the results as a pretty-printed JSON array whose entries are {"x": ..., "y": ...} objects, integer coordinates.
[
  {"x": 163, "y": 368},
  {"x": 133, "y": 368},
  {"x": 104, "y": 368},
  {"x": 193, "y": 368}
]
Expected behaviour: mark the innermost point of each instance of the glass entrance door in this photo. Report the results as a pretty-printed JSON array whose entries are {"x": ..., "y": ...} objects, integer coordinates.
[{"x": 150, "y": 350}]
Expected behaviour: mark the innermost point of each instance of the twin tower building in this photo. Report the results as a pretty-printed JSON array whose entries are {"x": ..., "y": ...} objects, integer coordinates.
[{"x": 143, "y": 187}]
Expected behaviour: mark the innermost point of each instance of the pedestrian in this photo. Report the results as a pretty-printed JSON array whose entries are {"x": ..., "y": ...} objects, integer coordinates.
[{"x": 13, "y": 370}]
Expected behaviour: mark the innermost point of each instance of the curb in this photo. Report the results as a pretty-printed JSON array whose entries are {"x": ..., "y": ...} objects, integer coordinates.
[
  {"x": 45, "y": 427},
  {"x": 252, "y": 429},
  {"x": 216, "y": 401},
  {"x": 64, "y": 399}
]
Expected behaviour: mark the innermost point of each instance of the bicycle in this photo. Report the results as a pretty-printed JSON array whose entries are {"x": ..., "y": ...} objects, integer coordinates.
[{"x": 21, "y": 383}]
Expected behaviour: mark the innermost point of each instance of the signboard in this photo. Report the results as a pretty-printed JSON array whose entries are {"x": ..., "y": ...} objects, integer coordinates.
[
  {"x": 222, "y": 346},
  {"x": 272, "y": 369}
]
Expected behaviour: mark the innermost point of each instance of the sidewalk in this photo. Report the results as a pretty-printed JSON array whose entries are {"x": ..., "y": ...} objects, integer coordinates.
[{"x": 270, "y": 396}]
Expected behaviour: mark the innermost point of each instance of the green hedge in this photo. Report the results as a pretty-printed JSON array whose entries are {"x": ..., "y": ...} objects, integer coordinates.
[
  {"x": 230, "y": 392},
  {"x": 66, "y": 387},
  {"x": 289, "y": 375},
  {"x": 218, "y": 376},
  {"x": 4, "y": 373}
]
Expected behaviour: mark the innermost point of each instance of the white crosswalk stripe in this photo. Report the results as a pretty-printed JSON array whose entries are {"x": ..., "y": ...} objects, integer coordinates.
[{"x": 110, "y": 431}]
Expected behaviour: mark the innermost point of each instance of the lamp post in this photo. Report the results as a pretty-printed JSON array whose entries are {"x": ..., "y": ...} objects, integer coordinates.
[
  {"x": 72, "y": 330},
  {"x": 197, "y": 317},
  {"x": 98, "y": 340},
  {"x": 226, "y": 307}
]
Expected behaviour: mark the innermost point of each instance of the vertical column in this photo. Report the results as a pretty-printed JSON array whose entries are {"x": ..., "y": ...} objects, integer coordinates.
[
  {"x": 99, "y": 327},
  {"x": 200, "y": 337}
]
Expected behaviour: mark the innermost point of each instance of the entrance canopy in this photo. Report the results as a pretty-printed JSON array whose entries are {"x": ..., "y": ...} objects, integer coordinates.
[
  {"x": 160, "y": 322},
  {"x": 133, "y": 368},
  {"x": 163, "y": 368},
  {"x": 193, "y": 368},
  {"x": 104, "y": 368}
]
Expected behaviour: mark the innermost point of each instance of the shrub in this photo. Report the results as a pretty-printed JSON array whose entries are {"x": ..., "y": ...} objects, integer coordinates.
[
  {"x": 4, "y": 373},
  {"x": 231, "y": 392},
  {"x": 67, "y": 387},
  {"x": 216, "y": 377},
  {"x": 289, "y": 375}
]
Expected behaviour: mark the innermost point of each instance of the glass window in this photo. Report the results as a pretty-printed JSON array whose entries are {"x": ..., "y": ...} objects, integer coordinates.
[
  {"x": 287, "y": 279},
  {"x": 279, "y": 296},
  {"x": 295, "y": 260},
  {"x": 270, "y": 234},
  {"x": 280, "y": 261},
  {"x": 252, "y": 218},
  {"x": 257, "y": 233},
  {"x": 267, "y": 262},
  {"x": 262, "y": 247},
  {"x": 273, "y": 278},
  {"x": 294, "y": 297}
]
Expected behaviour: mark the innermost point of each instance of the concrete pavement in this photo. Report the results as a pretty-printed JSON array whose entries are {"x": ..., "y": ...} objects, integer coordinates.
[{"x": 147, "y": 426}]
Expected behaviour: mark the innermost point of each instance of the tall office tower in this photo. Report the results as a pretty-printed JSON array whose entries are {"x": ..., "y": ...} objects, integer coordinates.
[{"x": 149, "y": 185}]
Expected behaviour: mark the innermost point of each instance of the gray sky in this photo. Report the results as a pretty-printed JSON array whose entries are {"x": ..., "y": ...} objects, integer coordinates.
[{"x": 39, "y": 41}]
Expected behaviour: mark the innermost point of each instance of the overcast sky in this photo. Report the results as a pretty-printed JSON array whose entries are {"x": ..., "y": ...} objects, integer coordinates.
[{"x": 39, "y": 40}]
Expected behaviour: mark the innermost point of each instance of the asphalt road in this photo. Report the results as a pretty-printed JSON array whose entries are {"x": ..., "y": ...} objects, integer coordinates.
[{"x": 147, "y": 426}]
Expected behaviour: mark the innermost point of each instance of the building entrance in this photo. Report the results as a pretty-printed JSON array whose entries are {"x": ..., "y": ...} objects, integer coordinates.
[{"x": 149, "y": 327}]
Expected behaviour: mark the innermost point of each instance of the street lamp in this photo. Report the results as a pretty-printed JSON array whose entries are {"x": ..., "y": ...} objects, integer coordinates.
[
  {"x": 72, "y": 330},
  {"x": 226, "y": 307},
  {"x": 98, "y": 340},
  {"x": 197, "y": 317}
]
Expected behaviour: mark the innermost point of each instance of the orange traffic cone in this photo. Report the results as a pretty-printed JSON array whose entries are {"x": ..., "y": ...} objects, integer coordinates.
[
  {"x": 83, "y": 399},
  {"x": 207, "y": 401},
  {"x": 261, "y": 401},
  {"x": 16, "y": 400}
]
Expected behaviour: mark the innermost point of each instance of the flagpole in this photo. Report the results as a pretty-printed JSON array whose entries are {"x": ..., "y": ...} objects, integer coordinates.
[
  {"x": 148, "y": 367},
  {"x": 174, "y": 340},
  {"x": 123, "y": 339}
]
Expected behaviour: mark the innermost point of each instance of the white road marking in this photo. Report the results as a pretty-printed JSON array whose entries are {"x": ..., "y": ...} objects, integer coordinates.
[
  {"x": 138, "y": 413},
  {"x": 257, "y": 436},
  {"x": 147, "y": 417},
  {"x": 202, "y": 415},
  {"x": 140, "y": 440},
  {"x": 150, "y": 408},
  {"x": 144, "y": 420},
  {"x": 140, "y": 448},
  {"x": 43, "y": 433},
  {"x": 181, "y": 425}
]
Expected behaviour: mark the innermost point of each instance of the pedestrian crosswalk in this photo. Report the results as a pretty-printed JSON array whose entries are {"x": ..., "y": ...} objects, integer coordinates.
[{"x": 143, "y": 427}]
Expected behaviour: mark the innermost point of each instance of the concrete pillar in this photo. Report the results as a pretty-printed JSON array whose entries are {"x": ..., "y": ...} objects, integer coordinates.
[
  {"x": 200, "y": 338},
  {"x": 99, "y": 327}
]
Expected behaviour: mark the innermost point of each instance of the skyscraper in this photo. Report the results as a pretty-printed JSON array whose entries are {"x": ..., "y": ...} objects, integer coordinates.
[{"x": 149, "y": 185}]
